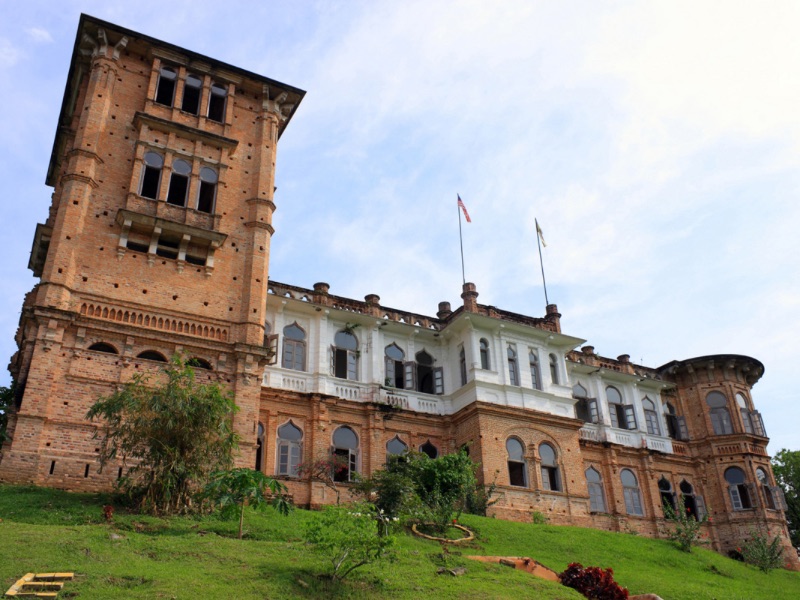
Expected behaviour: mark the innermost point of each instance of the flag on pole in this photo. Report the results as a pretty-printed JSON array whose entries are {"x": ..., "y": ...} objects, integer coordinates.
[
  {"x": 463, "y": 208},
  {"x": 539, "y": 233}
]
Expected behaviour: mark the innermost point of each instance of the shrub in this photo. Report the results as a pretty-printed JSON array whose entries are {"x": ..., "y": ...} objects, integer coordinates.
[
  {"x": 539, "y": 518},
  {"x": 349, "y": 536},
  {"x": 685, "y": 528},
  {"x": 593, "y": 582},
  {"x": 760, "y": 552}
]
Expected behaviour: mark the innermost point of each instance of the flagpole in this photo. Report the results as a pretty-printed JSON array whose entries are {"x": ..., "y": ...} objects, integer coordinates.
[
  {"x": 541, "y": 262},
  {"x": 461, "y": 243}
]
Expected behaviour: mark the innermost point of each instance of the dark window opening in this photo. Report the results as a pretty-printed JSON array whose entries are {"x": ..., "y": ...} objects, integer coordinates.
[
  {"x": 86, "y": 472},
  {"x": 200, "y": 261},
  {"x": 165, "y": 92},
  {"x": 52, "y": 466},
  {"x": 167, "y": 248},
  {"x": 394, "y": 357},
  {"x": 345, "y": 453},
  {"x": 667, "y": 495},
  {"x": 179, "y": 183},
  {"x": 429, "y": 449},
  {"x": 550, "y": 476},
  {"x": 484, "y": 347},
  {"x": 151, "y": 177},
  {"x": 137, "y": 246},
  {"x": 191, "y": 94},
  {"x": 103, "y": 347},
  {"x": 199, "y": 363},
  {"x": 208, "y": 190},
  {"x": 517, "y": 471},
  {"x": 216, "y": 103},
  {"x": 152, "y": 355}
]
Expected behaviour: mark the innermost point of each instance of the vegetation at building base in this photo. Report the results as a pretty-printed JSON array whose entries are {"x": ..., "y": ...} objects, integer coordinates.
[
  {"x": 176, "y": 433},
  {"x": 786, "y": 466},
  {"x": 684, "y": 527},
  {"x": 6, "y": 402},
  {"x": 762, "y": 553},
  {"x": 142, "y": 556}
]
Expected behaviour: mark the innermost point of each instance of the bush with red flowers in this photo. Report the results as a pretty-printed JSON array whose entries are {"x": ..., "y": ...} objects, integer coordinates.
[{"x": 593, "y": 582}]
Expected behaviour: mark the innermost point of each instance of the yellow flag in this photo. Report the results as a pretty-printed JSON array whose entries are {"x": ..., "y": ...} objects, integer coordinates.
[{"x": 540, "y": 234}]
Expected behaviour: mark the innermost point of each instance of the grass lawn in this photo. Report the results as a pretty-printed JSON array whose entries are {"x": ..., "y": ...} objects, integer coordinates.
[{"x": 145, "y": 557}]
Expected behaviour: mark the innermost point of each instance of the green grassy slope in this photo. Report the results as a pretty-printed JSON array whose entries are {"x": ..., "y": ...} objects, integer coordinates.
[{"x": 144, "y": 557}]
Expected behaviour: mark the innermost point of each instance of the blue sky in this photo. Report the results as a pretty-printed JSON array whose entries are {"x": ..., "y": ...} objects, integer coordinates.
[{"x": 657, "y": 143}]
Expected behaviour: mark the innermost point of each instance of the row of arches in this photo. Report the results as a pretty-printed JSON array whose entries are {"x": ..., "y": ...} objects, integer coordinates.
[{"x": 154, "y": 355}]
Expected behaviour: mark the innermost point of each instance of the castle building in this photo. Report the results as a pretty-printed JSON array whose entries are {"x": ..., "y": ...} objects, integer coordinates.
[{"x": 157, "y": 241}]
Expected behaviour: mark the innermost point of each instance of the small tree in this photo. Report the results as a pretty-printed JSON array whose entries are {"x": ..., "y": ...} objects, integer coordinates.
[
  {"x": 233, "y": 490},
  {"x": 786, "y": 466},
  {"x": 324, "y": 469},
  {"x": 176, "y": 434},
  {"x": 6, "y": 402},
  {"x": 760, "y": 552},
  {"x": 349, "y": 536},
  {"x": 685, "y": 528}
]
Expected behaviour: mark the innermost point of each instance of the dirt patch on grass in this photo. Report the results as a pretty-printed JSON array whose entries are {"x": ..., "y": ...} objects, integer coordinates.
[{"x": 522, "y": 563}]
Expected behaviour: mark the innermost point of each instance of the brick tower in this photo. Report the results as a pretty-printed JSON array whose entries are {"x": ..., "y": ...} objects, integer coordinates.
[{"x": 157, "y": 240}]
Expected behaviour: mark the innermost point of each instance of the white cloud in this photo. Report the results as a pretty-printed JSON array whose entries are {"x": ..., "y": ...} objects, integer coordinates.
[{"x": 39, "y": 35}]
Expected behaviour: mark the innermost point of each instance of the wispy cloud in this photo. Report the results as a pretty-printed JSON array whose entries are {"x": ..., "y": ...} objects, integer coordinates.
[{"x": 39, "y": 35}]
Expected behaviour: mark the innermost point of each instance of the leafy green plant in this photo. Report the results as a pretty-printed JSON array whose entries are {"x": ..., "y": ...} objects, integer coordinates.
[
  {"x": 760, "y": 552},
  {"x": 176, "y": 434},
  {"x": 480, "y": 498},
  {"x": 232, "y": 491},
  {"x": 539, "y": 518},
  {"x": 686, "y": 529},
  {"x": 324, "y": 469},
  {"x": 6, "y": 402},
  {"x": 349, "y": 536},
  {"x": 786, "y": 466}
]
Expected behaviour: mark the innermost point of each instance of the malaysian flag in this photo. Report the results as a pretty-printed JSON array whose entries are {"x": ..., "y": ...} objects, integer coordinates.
[{"x": 463, "y": 208}]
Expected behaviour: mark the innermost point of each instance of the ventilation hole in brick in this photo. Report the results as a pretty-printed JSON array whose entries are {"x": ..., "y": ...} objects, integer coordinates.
[
  {"x": 204, "y": 303},
  {"x": 254, "y": 310},
  {"x": 110, "y": 133},
  {"x": 97, "y": 449},
  {"x": 258, "y": 281},
  {"x": 249, "y": 144},
  {"x": 144, "y": 291},
  {"x": 198, "y": 270},
  {"x": 261, "y": 248},
  {"x": 233, "y": 244},
  {"x": 163, "y": 262},
  {"x": 175, "y": 297},
  {"x": 85, "y": 278},
  {"x": 126, "y": 137},
  {"x": 69, "y": 238},
  {"x": 101, "y": 248},
  {"x": 97, "y": 216},
  {"x": 249, "y": 157},
  {"x": 116, "y": 285},
  {"x": 237, "y": 249},
  {"x": 234, "y": 278},
  {"x": 67, "y": 403},
  {"x": 59, "y": 270},
  {"x": 75, "y": 202},
  {"x": 105, "y": 213},
  {"x": 230, "y": 309},
  {"x": 119, "y": 473},
  {"x": 114, "y": 117},
  {"x": 47, "y": 444},
  {"x": 86, "y": 471},
  {"x": 52, "y": 466}
]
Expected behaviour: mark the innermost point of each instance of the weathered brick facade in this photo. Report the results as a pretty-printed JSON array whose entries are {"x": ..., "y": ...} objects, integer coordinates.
[{"x": 158, "y": 241}]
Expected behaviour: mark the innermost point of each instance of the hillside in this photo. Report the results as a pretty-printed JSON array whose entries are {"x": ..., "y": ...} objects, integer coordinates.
[{"x": 145, "y": 557}]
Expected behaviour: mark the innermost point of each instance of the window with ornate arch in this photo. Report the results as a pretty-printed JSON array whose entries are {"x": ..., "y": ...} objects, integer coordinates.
[
  {"x": 536, "y": 374},
  {"x": 651, "y": 416},
  {"x": 597, "y": 498},
  {"x": 766, "y": 488},
  {"x": 513, "y": 365},
  {"x": 551, "y": 478},
  {"x": 623, "y": 416},
  {"x": 290, "y": 449},
  {"x": 462, "y": 365},
  {"x": 585, "y": 407},
  {"x": 517, "y": 466},
  {"x": 345, "y": 451},
  {"x": 260, "y": 447},
  {"x": 751, "y": 420},
  {"x": 676, "y": 426},
  {"x": 484, "y": 352},
  {"x": 429, "y": 449},
  {"x": 396, "y": 446},
  {"x": 720, "y": 417},
  {"x": 165, "y": 89},
  {"x": 667, "y": 495},
  {"x": 693, "y": 503},
  {"x": 393, "y": 358},
  {"x": 422, "y": 375},
  {"x": 151, "y": 175},
  {"x": 630, "y": 491},
  {"x": 554, "y": 378},
  {"x": 294, "y": 348},
  {"x": 217, "y": 99},
  {"x": 344, "y": 355}
]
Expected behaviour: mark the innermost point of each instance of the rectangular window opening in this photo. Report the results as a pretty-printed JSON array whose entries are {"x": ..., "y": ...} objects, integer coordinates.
[
  {"x": 178, "y": 186},
  {"x": 52, "y": 466},
  {"x": 86, "y": 471},
  {"x": 191, "y": 99}
]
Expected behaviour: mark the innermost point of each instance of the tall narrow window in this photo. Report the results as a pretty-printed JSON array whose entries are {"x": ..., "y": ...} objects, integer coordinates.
[
  {"x": 208, "y": 190},
  {"x": 345, "y": 452},
  {"x": 738, "y": 489},
  {"x": 550, "y": 475},
  {"x": 424, "y": 372},
  {"x": 260, "y": 447},
  {"x": 622, "y": 415},
  {"x": 462, "y": 365},
  {"x": 216, "y": 102},
  {"x": 585, "y": 407},
  {"x": 345, "y": 357},
  {"x": 554, "y": 369},
  {"x": 693, "y": 504},
  {"x": 290, "y": 449},
  {"x": 396, "y": 446},
  {"x": 513, "y": 366},
  {"x": 597, "y": 499},
  {"x": 747, "y": 421},
  {"x": 165, "y": 91},
  {"x": 667, "y": 495},
  {"x": 179, "y": 183},
  {"x": 422, "y": 375},
  {"x": 484, "y": 348},
  {"x": 536, "y": 376},
  {"x": 429, "y": 449},
  {"x": 294, "y": 348},
  {"x": 517, "y": 469},
  {"x": 763, "y": 480},
  {"x": 720, "y": 417},
  {"x": 651, "y": 417},
  {"x": 151, "y": 175},
  {"x": 676, "y": 426},
  {"x": 630, "y": 491},
  {"x": 394, "y": 365},
  {"x": 191, "y": 94}
]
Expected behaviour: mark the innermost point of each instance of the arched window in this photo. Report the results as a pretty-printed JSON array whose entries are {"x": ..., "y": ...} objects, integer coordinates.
[
  {"x": 179, "y": 182},
  {"x": 766, "y": 488},
  {"x": 692, "y": 503},
  {"x": 676, "y": 426},
  {"x": 394, "y": 365},
  {"x": 294, "y": 348},
  {"x": 741, "y": 493},
  {"x": 422, "y": 375},
  {"x": 747, "y": 422},
  {"x": 622, "y": 415},
  {"x": 345, "y": 452},
  {"x": 517, "y": 468},
  {"x": 462, "y": 365},
  {"x": 597, "y": 499},
  {"x": 103, "y": 347},
  {"x": 290, "y": 449},
  {"x": 720, "y": 417},
  {"x": 151, "y": 175},
  {"x": 216, "y": 102},
  {"x": 208, "y": 190},
  {"x": 585, "y": 407},
  {"x": 630, "y": 490},
  {"x": 429, "y": 449},
  {"x": 550, "y": 475},
  {"x": 344, "y": 356},
  {"x": 667, "y": 495},
  {"x": 536, "y": 376},
  {"x": 554, "y": 369},
  {"x": 191, "y": 94},
  {"x": 152, "y": 355},
  {"x": 651, "y": 417},
  {"x": 260, "y": 447},
  {"x": 513, "y": 366},
  {"x": 199, "y": 363},
  {"x": 165, "y": 90},
  {"x": 484, "y": 348},
  {"x": 396, "y": 446}
]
